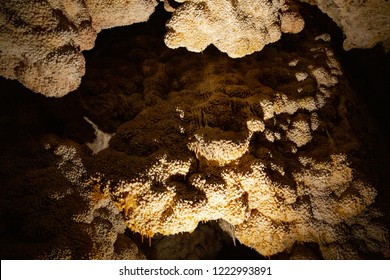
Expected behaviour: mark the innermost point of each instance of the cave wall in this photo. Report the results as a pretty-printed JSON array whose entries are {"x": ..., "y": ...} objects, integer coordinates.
[
  {"x": 42, "y": 41},
  {"x": 193, "y": 137}
]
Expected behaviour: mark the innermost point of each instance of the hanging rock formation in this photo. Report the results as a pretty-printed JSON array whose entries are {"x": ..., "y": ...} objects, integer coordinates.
[
  {"x": 238, "y": 27},
  {"x": 41, "y": 41},
  {"x": 264, "y": 145},
  {"x": 364, "y": 23},
  {"x": 270, "y": 145}
]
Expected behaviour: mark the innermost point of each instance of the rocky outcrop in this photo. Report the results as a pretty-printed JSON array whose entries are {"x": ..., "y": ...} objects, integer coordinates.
[{"x": 41, "y": 41}]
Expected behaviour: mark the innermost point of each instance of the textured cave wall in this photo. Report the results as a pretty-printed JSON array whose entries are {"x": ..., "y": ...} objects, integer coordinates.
[
  {"x": 41, "y": 42},
  {"x": 49, "y": 212},
  {"x": 364, "y": 23},
  {"x": 194, "y": 137},
  {"x": 238, "y": 28},
  {"x": 263, "y": 143}
]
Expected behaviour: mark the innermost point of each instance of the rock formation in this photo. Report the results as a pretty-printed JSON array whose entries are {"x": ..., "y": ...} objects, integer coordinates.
[
  {"x": 41, "y": 41},
  {"x": 364, "y": 23},
  {"x": 241, "y": 27},
  {"x": 58, "y": 213},
  {"x": 113, "y": 13},
  {"x": 270, "y": 145},
  {"x": 260, "y": 144},
  {"x": 238, "y": 27}
]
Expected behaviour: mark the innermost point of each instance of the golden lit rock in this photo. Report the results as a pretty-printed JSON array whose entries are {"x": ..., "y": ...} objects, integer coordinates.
[{"x": 237, "y": 27}]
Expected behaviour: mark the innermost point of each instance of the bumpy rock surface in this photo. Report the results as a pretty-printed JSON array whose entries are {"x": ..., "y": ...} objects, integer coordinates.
[
  {"x": 364, "y": 23},
  {"x": 112, "y": 13},
  {"x": 238, "y": 27},
  {"x": 41, "y": 41},
  {"x": 56, "y": 212},
  {"x": 271, "y": 145},
  {"x": 263, "y": 143}
]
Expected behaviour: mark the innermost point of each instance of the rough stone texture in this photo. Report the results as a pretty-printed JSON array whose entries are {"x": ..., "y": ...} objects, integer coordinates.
[
  {"x": 203, "y": 243},
  {"x": 40, "y": 44},
  {"x": 51, "y": 211},
  {"x": 299, "y": 175},
  {"x": 238, "y": 27},
  {"x": 364, "y": 23},
  {"x": 41, "y": 41},
  {"x": 112, "y": 13},
  {"x": 263, "y": 143}
]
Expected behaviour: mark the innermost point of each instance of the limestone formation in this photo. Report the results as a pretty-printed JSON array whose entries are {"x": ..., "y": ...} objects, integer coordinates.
[
  {"x": 246, "y": 143},
  {"x": 101, "y": 141},
  {"x": 41, "y": 41},
  {"x": 364, "y": 23},
  {"x": 237, "y": 27},
  {"x": 59, "y": 213},
  {"x": 267, "y": 145},
  {"x": 113, "y": 13}
]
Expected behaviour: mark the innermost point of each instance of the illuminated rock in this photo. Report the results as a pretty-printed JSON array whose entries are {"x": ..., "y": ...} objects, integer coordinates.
[
  {"x": 266, "y": 145},
  {"x": 248, "y": 145},
  {"x": 41, "y": 41},
  {"x": 364, "y": 24},
  {"x": 237, "y": 27}
]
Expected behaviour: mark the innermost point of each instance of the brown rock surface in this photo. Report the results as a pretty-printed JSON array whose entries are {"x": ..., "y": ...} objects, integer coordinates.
[
  {"x": 273, "y": 144},
  {"x": 259, "y": 142},
  {"x": 364, "y": 23},
  {"x": 50, "y": 210},
  {"x": 41, "y": 41}
]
